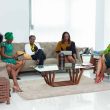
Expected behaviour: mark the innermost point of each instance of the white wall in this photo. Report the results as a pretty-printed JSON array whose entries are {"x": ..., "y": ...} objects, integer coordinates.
[
  {"x": 99, "y": 34},
  {"x": 107, "y": 23},
  {"x": 14, "y": 17}
]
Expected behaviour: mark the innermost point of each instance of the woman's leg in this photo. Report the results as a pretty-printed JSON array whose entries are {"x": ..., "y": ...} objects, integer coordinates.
[
  {"x": 19, "y": 65},
  {"x": 39, "y": 57},
  {"x": 66, "y": 60},
  {"x": 100, "y": 70},
  {"x": 99, "y": 66},
  {"x": 70, "y": 59},
  {"x": 13, "y": 74},
  {"x": 8, "y": 67},
  {"x": 101, "y": 75},
  {"x": 16, "y": 87}
]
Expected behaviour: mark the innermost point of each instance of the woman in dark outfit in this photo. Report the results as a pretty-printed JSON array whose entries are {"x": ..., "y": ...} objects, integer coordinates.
[{"x": 67, "y": 44}]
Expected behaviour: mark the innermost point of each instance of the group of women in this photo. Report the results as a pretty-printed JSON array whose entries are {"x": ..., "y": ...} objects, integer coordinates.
[{"x": 14, "y": 66}]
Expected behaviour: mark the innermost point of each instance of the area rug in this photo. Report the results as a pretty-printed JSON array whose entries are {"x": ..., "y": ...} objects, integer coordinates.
[{"x": 36, "y": 89}]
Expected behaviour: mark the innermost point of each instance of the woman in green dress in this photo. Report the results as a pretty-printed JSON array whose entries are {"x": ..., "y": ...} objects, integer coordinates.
[{"x": 13, "y": 66}]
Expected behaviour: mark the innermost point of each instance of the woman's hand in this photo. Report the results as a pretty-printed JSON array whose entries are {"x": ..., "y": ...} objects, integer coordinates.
[{"x": 15, "y": 56}]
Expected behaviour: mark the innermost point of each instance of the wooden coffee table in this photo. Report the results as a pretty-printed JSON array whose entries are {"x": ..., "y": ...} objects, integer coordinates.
[{"x": 48, "y": 72}]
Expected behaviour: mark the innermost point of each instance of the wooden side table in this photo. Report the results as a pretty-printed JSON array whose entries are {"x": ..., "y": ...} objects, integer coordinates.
[
  {"x": 4, "y": 90},
  {"x": 4, "y": 84}
]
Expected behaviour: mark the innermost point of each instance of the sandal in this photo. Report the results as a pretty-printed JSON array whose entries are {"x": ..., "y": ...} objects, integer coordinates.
[{"x": 17, "y": 89}]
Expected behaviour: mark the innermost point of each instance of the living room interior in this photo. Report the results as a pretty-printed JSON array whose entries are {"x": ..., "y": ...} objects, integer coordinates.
[{"x": 87, "y": 21}]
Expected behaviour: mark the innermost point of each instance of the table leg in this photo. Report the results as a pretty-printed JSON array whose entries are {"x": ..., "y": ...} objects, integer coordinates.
[
  {"x": 44, "y": 75},
  {"x": 72, "y": 74},
  {"x": 49, "y": 77},
  {"x": 79, "y": 77},
  {"x": 53, "y": 77},
  {"x": 75, "y": 75}
]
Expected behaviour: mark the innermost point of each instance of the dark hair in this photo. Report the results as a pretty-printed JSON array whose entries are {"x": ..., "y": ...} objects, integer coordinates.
[
  {"x": 1, "y": 38},
  {"x": 32, "y": 36},
  {"x": 63, "y": 35}
]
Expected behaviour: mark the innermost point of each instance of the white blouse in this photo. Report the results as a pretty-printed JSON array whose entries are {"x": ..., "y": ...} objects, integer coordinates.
[{"x": 28, "y": 48}]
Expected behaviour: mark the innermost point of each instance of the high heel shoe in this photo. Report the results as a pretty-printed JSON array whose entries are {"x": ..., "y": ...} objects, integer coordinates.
[{"x": 17, "y": 89}]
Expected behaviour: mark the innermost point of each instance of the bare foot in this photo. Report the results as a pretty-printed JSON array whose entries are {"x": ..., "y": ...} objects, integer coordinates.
[{"x": 99, "y": 78}]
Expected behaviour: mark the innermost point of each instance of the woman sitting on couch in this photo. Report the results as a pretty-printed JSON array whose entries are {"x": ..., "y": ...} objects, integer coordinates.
[
  {"x": 33, "y": 51},
  {"x": 13, "y": 66},
  {"x": 67, "y": 44}
]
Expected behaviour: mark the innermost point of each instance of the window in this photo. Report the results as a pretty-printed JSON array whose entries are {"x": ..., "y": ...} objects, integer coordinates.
[
  {"x": 50, "y": 18},
  {"x": 49, "y": 13}
]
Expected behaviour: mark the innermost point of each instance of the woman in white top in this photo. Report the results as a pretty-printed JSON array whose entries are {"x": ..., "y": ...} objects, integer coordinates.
[
  {"x": 34, "y": 50},
  {"x": 28, "y": 47}
]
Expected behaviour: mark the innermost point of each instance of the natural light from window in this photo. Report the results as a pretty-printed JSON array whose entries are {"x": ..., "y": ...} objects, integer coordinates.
[{"x": 50, "y": 18}]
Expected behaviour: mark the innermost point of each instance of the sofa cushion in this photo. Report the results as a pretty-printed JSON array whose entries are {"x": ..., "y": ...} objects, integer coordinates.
[
  {"x": 18, "y": 47},
  {"x": 49, "y": 49},
  {"x": 29, "y": 65}
]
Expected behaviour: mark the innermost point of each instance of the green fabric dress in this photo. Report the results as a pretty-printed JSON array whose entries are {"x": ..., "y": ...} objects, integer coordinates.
[{"x": 8, "y": 50}]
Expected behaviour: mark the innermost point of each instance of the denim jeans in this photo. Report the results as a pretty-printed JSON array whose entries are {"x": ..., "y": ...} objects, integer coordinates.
[{"x": 39, "y": 55}]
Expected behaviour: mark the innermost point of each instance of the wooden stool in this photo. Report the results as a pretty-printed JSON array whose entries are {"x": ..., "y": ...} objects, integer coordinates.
[
  {"x": 4, "y": 90},
  {"x": 4, "y": 84}
]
